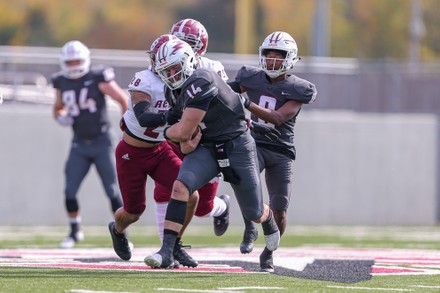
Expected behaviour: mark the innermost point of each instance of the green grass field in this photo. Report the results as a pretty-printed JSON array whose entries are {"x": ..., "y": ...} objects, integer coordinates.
[{"x": 32, "y": 279}]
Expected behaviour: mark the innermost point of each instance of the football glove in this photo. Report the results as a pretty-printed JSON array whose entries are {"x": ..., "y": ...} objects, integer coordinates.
[
  {"x": 269, "y": 132},
  {"x": 65, "y": 120},
  {"x": 172, "y": 116}
]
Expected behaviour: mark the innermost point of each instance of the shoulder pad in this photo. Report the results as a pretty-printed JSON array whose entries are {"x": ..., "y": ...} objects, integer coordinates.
[
  {"x": 305, "y": 91},
  {"x": 247, "y": 72},
  {"x": 105, "y": 74}
]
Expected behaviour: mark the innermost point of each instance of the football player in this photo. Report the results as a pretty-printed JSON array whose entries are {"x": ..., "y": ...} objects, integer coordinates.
[
  {"x": 275, "y": 98},
  {"x": 222, "y": 144},
  {"x": 80, "y": 103},
  {"x": 194, "y": 33},
  {"x": 144, "y": 152}
]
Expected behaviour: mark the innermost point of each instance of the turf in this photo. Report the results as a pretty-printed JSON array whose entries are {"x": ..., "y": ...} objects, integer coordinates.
[{"x": 24, "y": 279}]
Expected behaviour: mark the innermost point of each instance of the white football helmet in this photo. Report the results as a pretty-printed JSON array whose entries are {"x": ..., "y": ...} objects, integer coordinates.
[
  {"x": 72, "y": 51},
  {"x": 155, "y": 46},
  {"x": 283, "y": 42},
  {"x": 175, "y": 63},
  {"x": 192, "y": 32}
]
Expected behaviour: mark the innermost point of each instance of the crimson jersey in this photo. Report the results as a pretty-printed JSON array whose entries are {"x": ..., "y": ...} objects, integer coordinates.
[
  {"x": 273, "y": 96},
  {"x": 85, "y": 102}
]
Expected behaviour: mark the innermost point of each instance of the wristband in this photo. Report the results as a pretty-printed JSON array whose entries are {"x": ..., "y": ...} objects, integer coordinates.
[
  {"x": 247, "y": 103},
  {"x": 165, "y": 133}
]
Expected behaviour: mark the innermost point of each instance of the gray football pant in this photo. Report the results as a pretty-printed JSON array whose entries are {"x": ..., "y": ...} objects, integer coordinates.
[
  {"x": 200, "y": 166},
  {"x": 278, "y": 175},
  {"x": 84, "y": 153}
]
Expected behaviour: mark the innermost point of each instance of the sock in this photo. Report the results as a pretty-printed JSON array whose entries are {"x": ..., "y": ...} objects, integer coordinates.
[
  {"x": 219, "y": 207},
  {"x": 269, "y": 226},
  {"x": 161, "y": 209},
  {"x": 74, "y": 225},
  {"x": 177, "y": 243},
  {"x": 169, "y": 240}
]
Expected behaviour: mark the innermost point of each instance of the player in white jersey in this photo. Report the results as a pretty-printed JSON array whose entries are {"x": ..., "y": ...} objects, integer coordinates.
[
  {"x": 194, "y": 33},
  {"x": 144, "y": 152}
]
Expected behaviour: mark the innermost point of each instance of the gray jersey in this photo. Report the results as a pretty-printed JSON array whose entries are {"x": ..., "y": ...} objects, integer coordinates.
[
  {"x": 205, "y": 90},
  {"x": 273, "y": 96},
  {"x": 85, "y": 102}
]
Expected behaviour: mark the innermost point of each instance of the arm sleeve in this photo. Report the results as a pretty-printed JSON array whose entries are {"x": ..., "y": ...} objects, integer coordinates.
[{"x": 146, "y": 118}]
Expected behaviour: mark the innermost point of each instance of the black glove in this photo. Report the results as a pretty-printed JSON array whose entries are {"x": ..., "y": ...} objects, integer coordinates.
[
  {"x": 172, "y": 116},
  {"x": 269, "y": 132}
]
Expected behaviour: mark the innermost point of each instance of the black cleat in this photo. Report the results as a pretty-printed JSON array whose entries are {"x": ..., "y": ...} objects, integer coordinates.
[
  {"x": 266, "y": 261},
  {"x": 183, "y": 257},
  {"x": 120, "y": 242},
  {"x": 221, "y": 223},
  {"x": 159, "y": 261},
  {"x": 249, "y": 236}
]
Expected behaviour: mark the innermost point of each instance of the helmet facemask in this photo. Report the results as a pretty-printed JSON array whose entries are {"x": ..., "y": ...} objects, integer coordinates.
[
  {"x": 175, "y": 63},
  {"x": 75, "y": 51},
  {"x": 283, "y": 43}
]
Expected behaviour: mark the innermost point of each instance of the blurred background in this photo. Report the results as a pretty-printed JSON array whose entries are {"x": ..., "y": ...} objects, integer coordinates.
[{"x": 367, "y": 148}]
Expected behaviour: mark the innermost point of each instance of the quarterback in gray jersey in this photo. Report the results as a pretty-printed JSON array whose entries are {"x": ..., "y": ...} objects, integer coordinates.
[
  {"x": 213, "y": 134},
  {"x": 275, "y": 98},
  {"x": 80, "y": 103}
]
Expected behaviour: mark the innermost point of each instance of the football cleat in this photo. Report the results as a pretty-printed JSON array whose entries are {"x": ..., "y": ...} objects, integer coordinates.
[
  {"x": 158, "y": 261},
  {"x": 71, "y": 240},
  {"x": 121, "y": 245},
  {"x": 183, "y": 257},
  {"x": 221, "y": 223},
  {"x": 249, "y": 236},
  {"x": 266, "y": 261}
]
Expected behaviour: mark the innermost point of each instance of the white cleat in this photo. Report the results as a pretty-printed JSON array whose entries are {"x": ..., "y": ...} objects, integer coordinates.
[
  {"x": 153, "y": 261},
  {"x": 272, "y": 241},
  {"x": 156, "y": 261},
  {"x": 70, "y": 242}
]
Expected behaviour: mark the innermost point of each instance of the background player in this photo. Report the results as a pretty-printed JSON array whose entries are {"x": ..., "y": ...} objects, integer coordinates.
[{"x": 80, "y": 103}]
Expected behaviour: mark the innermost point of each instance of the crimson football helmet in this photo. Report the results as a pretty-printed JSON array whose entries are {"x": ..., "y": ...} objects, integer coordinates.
[
  {"x": 175, "y": 63},
  {"x": 74, "y": 51},
  {"x": 284, "y": 43},
  {"x": 192, "y": 32},
  {"x": 155, "y": 46}
]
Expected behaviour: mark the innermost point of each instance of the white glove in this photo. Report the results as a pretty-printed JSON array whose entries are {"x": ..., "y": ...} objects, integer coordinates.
[{"x": 65, "y": 120}]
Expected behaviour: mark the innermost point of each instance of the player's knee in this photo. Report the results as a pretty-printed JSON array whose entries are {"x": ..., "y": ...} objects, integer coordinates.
[
  {"x": 252, "y": 215},
  {"x": 72, "y": 205},
  {"x": 180, "y": 191}
]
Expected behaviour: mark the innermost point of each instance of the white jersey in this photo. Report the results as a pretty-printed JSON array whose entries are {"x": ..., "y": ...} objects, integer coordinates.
[
  {"x": 147, "y": 82},
  {"x": 213, "y": 65}
]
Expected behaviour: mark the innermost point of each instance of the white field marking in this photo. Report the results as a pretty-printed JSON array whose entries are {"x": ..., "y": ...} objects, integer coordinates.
[
  {"x": 92, "y": 291},
  {"x": 366, "y": 288},
  {"x": 196, "y": 290},
  {"x": 252, "y": 287},
  {"x": 424, "y": 286}
]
